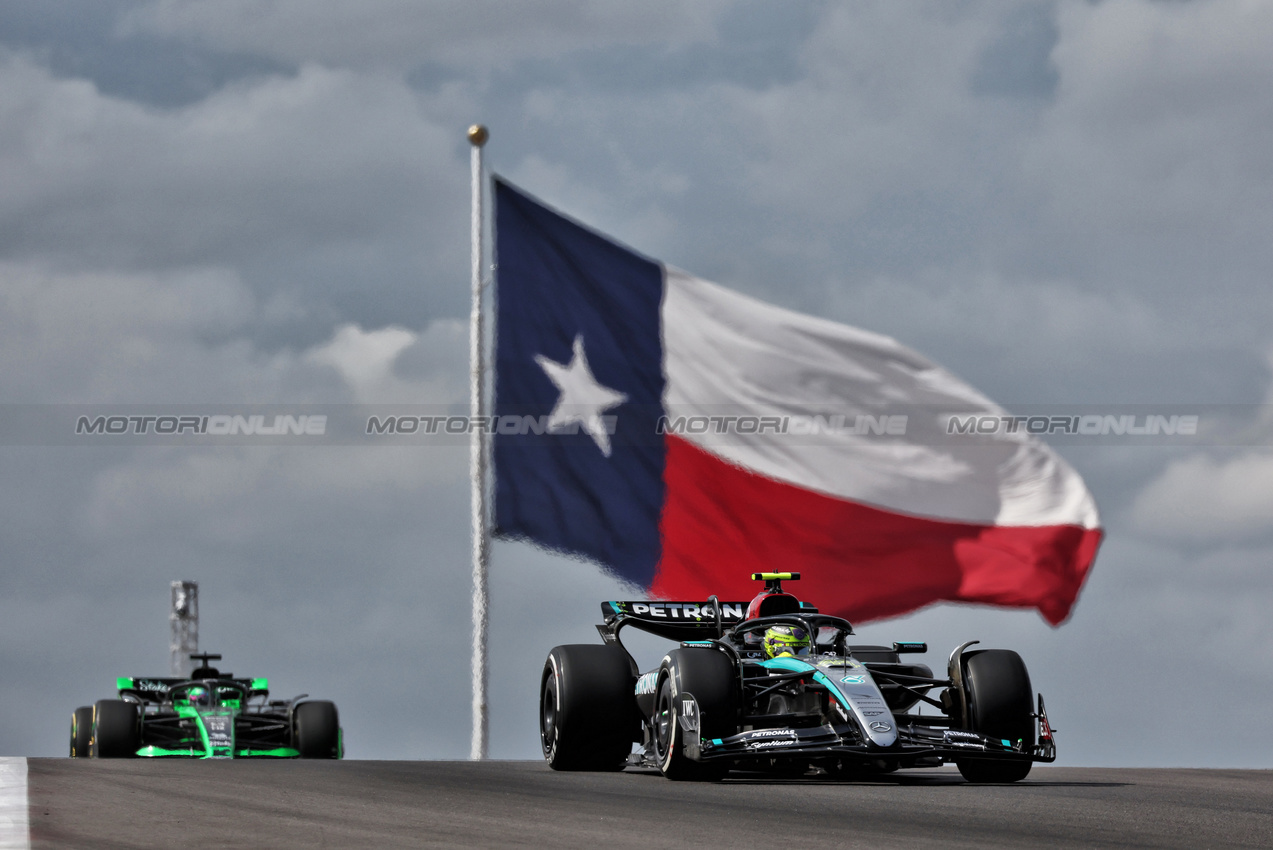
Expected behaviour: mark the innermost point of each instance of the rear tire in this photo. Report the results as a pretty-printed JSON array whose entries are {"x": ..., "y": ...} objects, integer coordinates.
[
  {"x": 81, "y": 731},
  {"x": 1000, "y": 705},
  {"x": 316, "y": 730},
  {"x": 709, "y": 676},
  {"x": 116, "y": 729},
  {"x": 587, "y": 708}
]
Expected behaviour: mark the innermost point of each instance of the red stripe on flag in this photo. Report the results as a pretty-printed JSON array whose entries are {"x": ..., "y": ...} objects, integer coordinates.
[{"x": 721, "y": 523}]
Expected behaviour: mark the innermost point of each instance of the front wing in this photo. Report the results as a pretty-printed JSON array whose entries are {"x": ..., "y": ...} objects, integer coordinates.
[
  {"x": 917, "y": 745},
  {"x": 192, "y": 734}
]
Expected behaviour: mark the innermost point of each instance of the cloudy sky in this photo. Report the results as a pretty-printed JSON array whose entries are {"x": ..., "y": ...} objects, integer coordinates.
[{"x": 266, "y": 201}]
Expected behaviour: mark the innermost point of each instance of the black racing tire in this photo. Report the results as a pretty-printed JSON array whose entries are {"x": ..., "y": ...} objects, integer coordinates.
[
  {"x": 588, "y": 716},
  {"x": 116, "y": 729},
  {"x": 81, "y": 731},
  {"x": 709, "y": 675},
  {"x": 1000, "y": 705},
  {"x": 316, "y": 730}
]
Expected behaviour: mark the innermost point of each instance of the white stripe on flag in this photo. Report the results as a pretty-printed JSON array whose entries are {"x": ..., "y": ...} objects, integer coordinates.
[
  {"x": 15, "y": 827},
  {"x": 727, "y": 353}
]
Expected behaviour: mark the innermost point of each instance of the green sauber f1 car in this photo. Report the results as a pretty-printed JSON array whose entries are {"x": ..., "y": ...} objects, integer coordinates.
[{"x": 211, "y": 715}]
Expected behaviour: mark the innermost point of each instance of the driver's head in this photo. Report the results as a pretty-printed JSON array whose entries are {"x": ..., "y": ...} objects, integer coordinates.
[
  {"x": 785, "y": 640},
  {"x": 199, "y": 696}
]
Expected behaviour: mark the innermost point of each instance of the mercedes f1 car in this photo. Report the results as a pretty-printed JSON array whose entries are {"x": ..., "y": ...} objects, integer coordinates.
[
  {"x": 775, "y": 686},
  {"x": 211, "y": 715}
]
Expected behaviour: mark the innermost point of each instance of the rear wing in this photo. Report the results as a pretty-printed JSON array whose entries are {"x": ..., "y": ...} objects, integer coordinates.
[
  {"x": 678, "y": 621},
  {"x": 671, "y": 620},
  {"x": 155, "y": 689}
]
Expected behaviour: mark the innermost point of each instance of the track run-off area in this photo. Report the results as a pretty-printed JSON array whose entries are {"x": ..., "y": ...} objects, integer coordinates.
[{"x": 164, "y": 804}]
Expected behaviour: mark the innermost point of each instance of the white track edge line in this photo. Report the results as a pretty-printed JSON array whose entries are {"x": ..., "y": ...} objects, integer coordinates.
[{"x": 15, "y": 822}]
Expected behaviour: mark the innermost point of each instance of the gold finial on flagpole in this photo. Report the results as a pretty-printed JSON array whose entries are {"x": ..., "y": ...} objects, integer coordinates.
[{"x": 478, "y": 135}]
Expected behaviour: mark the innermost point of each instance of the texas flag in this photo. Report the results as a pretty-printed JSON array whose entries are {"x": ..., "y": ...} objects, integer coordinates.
[{"x": 684, "y": 436}]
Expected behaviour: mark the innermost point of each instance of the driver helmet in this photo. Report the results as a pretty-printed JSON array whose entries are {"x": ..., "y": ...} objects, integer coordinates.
[
  {"x": 199, "y": 696},
  {"x": 785, "y": 640}
]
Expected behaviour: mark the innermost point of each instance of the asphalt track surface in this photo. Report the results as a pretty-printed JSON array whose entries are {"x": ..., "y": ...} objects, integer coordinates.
[{"x": 140, "y": 804}]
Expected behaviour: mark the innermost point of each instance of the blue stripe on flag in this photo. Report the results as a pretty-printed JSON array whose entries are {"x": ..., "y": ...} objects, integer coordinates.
[{"x": 559, "y": 282}]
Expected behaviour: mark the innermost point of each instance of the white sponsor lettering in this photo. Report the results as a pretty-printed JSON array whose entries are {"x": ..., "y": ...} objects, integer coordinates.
[{"x": 682, "y": 610}]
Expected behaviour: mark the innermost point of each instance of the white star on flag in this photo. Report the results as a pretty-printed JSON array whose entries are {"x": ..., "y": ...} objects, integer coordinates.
[{"x": 582, "y": 399}]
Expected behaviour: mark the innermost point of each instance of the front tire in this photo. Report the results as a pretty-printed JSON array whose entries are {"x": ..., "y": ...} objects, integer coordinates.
[
  {"x": 116, "y": 729},
  {"x": 1000, "y": 705},
  {"x": 587, "y": 708},
  {"x": 709, "y": 676},
  {"x": 316, "y": 730},
  {"x": 81, "y": 731}
]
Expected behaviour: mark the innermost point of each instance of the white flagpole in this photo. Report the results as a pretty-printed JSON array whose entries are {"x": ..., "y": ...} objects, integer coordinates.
[{"x": 477, "y": 460}]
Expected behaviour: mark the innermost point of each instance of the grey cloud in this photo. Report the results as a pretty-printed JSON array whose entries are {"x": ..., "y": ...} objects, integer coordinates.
[
  {"x": 1018, "y": 62},
  {"x": 83, "y": 40},
  {"x": 1200, "y": 499},
  {"x": 1149, "y": 156},
  {"x": 299, "y": 182},
  {"x": 400, "y": 33}
]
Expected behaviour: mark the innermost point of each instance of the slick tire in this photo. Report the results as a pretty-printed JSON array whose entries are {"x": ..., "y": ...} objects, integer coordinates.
[
  {"x": 709, "y": 675},
  {"x": 1000, "y": 705},
  {"x": 588, "y": 717},
  {"x": 81, "y": 731},
  {"x": 116, "y": 729},
  {"x": 316, "y": 730}
]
